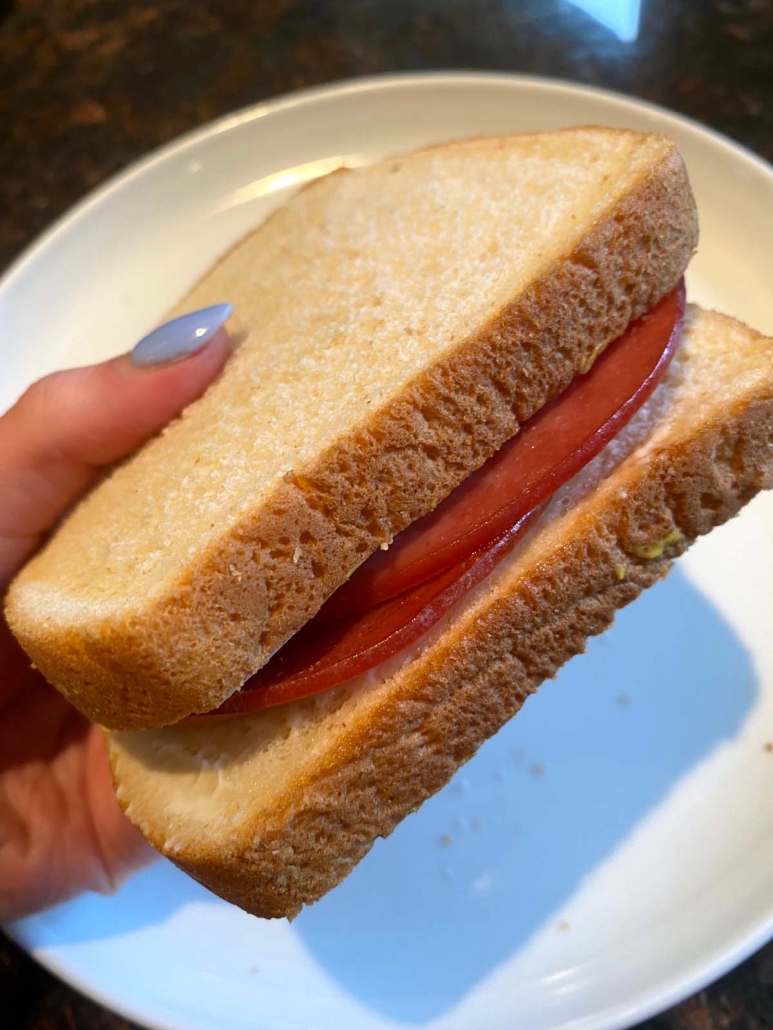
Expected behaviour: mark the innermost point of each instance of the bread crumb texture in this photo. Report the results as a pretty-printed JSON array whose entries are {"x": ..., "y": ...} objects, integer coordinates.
[
  {"x": 272, "y": 810},
  {"x": 394, "y": 326}
]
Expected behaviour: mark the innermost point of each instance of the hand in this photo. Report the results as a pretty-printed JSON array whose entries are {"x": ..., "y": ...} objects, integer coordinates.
[{"x": 61, "y": 829}]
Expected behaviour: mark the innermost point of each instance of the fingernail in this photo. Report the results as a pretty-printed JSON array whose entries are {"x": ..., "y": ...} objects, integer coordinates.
[{"x": 181, "y": 337}]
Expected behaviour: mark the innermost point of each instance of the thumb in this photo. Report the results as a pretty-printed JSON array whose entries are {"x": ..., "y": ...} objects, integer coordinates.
[{"x": 69, "y": 425}]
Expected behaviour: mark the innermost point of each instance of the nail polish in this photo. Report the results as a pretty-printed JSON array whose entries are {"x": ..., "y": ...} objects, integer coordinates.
[{"x": 181, "y": 337}]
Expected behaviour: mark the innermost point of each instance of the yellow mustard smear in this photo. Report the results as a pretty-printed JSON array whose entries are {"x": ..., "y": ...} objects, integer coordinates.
[
  {"x": 654, "y": 550},
  {"x": 587, "y": 365}
]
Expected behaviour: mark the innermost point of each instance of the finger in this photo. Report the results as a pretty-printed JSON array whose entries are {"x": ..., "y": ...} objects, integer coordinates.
[
  {"x": 61, "y": 829},
  {"x": 122, "y": 848},
  {"x": 66, "y": 427},
  {"x": 15, "y": 669}
]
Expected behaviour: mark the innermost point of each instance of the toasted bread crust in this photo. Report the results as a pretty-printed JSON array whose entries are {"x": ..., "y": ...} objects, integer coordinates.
[
  {"x": 249, "y": 594},
  {"x": 440, "y": 710}
]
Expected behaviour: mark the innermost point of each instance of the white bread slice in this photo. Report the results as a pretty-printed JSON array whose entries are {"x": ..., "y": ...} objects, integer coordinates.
[
  {"x": 272, "y": 810},
  {"x": 395, "y": 325}
]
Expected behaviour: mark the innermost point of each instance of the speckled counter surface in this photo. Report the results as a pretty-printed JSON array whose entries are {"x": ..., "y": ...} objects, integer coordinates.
[{"x": 87, "y": 86}]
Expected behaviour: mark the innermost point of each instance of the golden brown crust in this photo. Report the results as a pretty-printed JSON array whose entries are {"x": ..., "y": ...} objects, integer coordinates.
[
  {"x": 377, "y": 480},
  {"x": 475, "y": 678}
]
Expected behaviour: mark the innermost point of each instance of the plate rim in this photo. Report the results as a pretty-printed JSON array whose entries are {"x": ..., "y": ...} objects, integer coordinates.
[
  {"x": 620, "y": 1017},
  {"x": 343, "y": 87},
  {"x": 722, "y": 957}
]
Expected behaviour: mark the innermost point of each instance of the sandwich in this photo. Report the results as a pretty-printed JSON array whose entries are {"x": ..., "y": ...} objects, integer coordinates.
[{"x": 469, "y": 415}]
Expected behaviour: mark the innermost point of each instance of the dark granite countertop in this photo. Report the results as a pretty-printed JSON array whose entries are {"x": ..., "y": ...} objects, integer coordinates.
[{"x": 87, "y": 86}]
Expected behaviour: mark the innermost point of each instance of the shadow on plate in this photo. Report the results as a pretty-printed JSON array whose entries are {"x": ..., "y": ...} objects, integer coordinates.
[{"x": 464, "y": 883}]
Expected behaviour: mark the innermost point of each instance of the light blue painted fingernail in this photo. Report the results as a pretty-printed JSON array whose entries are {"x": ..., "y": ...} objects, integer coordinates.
[{"x": 181, "y": 337}]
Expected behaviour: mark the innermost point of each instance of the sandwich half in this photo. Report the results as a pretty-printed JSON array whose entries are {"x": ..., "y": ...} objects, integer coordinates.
[{"x": 396, "y": 328}]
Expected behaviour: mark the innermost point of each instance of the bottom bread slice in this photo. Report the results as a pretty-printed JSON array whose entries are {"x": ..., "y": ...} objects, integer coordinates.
[{"x": 271, "y": 811}]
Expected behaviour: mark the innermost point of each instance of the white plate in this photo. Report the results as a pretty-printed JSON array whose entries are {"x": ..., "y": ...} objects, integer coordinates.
[{"x": 607, "y": 853}]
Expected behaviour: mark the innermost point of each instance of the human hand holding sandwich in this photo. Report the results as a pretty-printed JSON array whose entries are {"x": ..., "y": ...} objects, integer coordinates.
[
  {"x": 61, "y": 829},
  {"x": 406, "y": 329}
]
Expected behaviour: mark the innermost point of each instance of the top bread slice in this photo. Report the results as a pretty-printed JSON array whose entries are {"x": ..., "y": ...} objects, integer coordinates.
[
  {"x": 271, "y": 810},
  {"x": 394, "y": 326}
]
